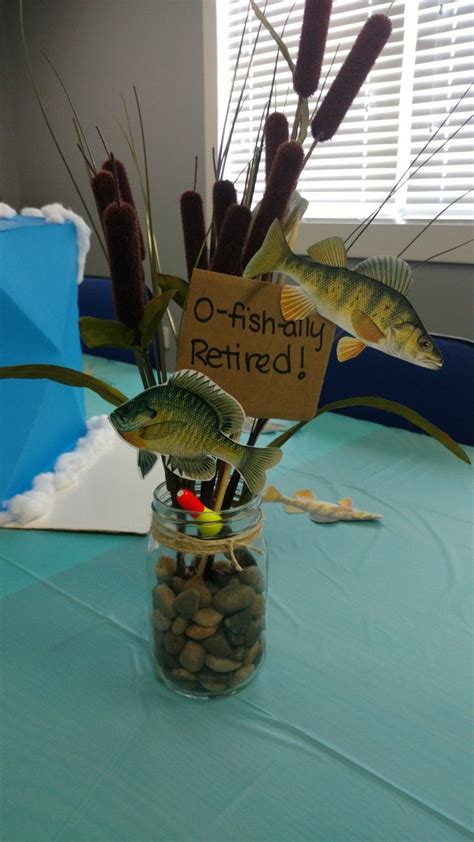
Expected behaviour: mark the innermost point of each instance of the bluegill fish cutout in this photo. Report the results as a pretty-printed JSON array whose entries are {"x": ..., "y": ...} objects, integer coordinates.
[
  {"x": 193, "y": 422},
  {"x": 368, "y": 302}
]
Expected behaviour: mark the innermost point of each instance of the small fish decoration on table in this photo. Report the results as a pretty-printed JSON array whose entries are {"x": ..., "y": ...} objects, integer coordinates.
[
  {"x": 319, "y": 510},
  {"x": 193, "y": 422},
  {"x": 369, "y": 302}
]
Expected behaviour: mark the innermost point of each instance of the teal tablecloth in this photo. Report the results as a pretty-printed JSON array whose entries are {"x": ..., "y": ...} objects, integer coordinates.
[{"x": 358, "y": 728}]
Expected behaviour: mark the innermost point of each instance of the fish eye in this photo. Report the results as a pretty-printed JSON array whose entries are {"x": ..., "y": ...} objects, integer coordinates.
[
  {"x": 425, "y": 344},
  {"x": 151, "y": 412}
]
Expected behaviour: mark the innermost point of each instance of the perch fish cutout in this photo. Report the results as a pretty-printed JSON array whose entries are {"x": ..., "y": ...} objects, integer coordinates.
[{"x": 368, "y": 302}]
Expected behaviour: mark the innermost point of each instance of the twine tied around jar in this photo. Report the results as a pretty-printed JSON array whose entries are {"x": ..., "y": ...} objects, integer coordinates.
[{"x": 204, "y": 547}]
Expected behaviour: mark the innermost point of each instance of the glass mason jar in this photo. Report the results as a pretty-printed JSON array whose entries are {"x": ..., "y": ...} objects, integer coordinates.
[{"x": 207, "y": 609}]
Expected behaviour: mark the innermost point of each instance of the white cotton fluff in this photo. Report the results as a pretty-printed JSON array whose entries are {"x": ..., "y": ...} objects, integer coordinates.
[
  {"x": 6, "y": 212},
  {"x": 32, "y": 212},
  {"x": 39, "y": 501}
]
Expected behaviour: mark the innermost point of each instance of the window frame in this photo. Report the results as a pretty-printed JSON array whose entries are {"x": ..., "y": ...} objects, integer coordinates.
[{"x": 382, "y": 237}]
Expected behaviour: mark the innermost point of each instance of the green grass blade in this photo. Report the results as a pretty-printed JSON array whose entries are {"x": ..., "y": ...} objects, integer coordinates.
[
  {"x": 278, "y": 40},
  {"x": 100, "y": 333},
  {"x": 387, "y": 406},
  {"x": 66, "y": 376},
  {"x": 72, "y": 107}
]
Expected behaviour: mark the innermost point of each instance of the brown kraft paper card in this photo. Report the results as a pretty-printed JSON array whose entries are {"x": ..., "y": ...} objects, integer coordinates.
[{"x": 233, "y": 331}]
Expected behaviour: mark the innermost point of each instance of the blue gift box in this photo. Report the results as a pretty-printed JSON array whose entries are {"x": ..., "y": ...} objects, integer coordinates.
[{"x": 39, "y": 419}]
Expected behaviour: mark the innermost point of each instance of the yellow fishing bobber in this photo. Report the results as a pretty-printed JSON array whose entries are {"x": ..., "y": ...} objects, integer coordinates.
[{"x": 210, "y": 523}]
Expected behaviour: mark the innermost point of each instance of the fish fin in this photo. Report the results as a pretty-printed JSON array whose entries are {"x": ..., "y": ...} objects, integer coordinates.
[
  {"x": 271, "y": 495},
  {"x": 230, "y": 414},
  {"x": 348, "y": 348},
  {"x": 271, "y": 254},
  {"x": 305, "y": 494},
  {"x": 330, "y": 252},
  {"x": 346, "y": 502},
  {"x": 293, "y": 510},
  {"x": 391, "y": 271},
  {"x": 253, "y": 464},
  {"x": 295, "y": 304},
  {"x": 365, "y": 327},
  {"x": 146, "y": 460},
  {"x": 198, "y": 467}
]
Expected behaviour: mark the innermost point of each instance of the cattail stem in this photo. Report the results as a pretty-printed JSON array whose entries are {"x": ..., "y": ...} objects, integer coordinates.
[
  {"x": 144, "y": 367},
  {"x": 296, "y": 121},
  {"x": 107, "y": 152},
  {"x": 310, "y": 152},
  {"x": 116, "y": 179},
  {"x": 86, "y": 160}
]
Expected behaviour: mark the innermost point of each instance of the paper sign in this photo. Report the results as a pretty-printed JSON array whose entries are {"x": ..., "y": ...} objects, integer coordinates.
[{"x": 234, "y": 332}]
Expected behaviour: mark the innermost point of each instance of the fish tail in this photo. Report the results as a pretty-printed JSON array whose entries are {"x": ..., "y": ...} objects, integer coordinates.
[
  {"x": 271, "y": 255},
  {"x": 253, "y": 463},
  {"x": 271, "y": 495}
]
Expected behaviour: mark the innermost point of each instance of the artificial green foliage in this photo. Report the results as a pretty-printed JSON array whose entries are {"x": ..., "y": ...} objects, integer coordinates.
[
  {"x": 387, "y": 406},
  {"x": 67, "y": 376},
  {"x": 99, "y": 333},
  {"x": 172, "y": 282},
  {"x": 154, "y": 312},
  {"x": 277, "y": 38}
]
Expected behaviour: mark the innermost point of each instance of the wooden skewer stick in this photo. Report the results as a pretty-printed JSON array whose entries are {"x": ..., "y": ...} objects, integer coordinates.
[{"x": 217, "y": 507}]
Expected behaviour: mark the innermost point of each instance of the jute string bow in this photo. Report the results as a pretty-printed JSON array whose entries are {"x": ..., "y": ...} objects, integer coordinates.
[{"x": 204, "y": 547}]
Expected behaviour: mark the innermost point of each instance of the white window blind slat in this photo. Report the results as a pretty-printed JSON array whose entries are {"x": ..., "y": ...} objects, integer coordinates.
[{"x": 387, "y": 125}]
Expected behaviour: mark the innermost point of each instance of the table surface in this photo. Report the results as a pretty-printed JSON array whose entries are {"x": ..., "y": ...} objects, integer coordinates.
[{"x": 357, "y": 728}]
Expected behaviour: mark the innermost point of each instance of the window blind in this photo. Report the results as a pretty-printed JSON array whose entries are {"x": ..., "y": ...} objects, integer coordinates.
[{"x": 424, "y": 69}]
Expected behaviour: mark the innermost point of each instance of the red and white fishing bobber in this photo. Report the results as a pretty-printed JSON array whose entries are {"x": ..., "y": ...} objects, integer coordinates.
[{"x": 210, "y": 523}]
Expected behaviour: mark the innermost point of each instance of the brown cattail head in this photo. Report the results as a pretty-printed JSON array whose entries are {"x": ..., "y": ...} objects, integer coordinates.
[
  {"x": 276, "y": 132},
  {"x": 223, "y": 196},
  {"x": 228, "y": 254},
  {"x": 122, "y": 177},
  {"x": 357, "y": 66},
  {"x": 314, "y": 31},
  {"x": 112, "y": 166},
  {"x": 276, "y": 198},
  {"x": 104, "y": 190},
  {"x": 194, "y": 231},
  {"x": 121, "y": 231}
]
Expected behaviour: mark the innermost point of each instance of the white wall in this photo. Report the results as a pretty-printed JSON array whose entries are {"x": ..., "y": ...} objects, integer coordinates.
[{"x": 102, "y": 48}]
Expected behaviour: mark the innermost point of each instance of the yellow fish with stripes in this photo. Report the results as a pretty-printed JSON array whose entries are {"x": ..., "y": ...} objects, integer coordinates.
[{"x": 369, "y": 302}]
